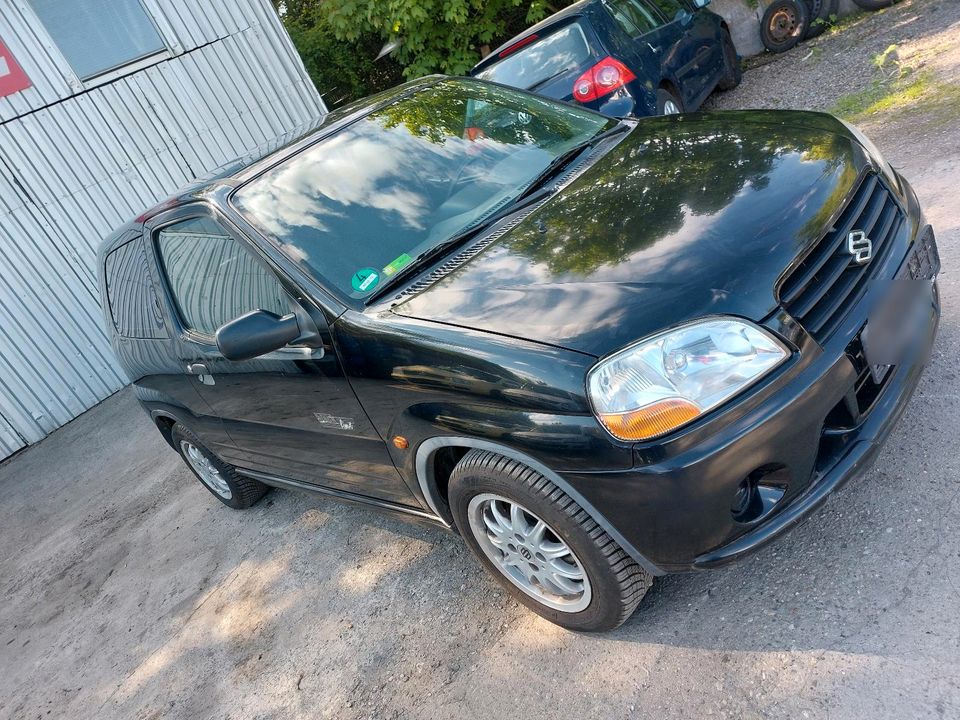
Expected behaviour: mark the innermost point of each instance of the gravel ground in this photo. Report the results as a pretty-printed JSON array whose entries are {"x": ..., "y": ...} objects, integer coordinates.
[
  {"x": 128, "y": 592},
  {"x": 817, "y": 73}
]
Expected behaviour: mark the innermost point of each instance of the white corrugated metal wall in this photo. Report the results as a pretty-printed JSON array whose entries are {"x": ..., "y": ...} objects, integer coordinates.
[{"x": 77, "y": 160}]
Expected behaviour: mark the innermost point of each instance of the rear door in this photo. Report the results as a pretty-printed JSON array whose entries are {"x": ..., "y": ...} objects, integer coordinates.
[
  {"x": 688, "y": 47},
  {"x": 290, "y": 413},
  {"x": 550, "y": 63},
  {"x": 636, "y": 29}
]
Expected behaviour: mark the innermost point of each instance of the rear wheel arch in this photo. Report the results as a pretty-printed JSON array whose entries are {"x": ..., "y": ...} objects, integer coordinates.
[
  {"x": 667, "y": 89},
  {"x": 669, "y": 85},
  {"x": 432, "y": 482}
]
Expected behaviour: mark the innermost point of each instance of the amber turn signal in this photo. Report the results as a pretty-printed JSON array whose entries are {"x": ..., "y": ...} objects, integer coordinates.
[
  {"x": 400, "y": 442},
  {"x": 651, "y": 421}
]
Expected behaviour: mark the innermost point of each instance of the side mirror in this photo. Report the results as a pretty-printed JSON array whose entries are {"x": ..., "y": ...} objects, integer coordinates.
[
  {"x": 700, "y": 4},
  {"x": 256, "y": 333}
]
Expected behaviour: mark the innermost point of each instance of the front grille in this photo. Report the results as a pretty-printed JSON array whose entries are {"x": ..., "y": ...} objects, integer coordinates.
[
  {"x": 827, "y": 282},
  {"x": 864, "y": 394},
  {"x": 865, "y": 389}
]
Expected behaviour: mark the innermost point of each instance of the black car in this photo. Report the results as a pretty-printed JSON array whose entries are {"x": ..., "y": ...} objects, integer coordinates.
[
  {"x": 601, "y": 350},
  {"x": 621, "y": 57}
]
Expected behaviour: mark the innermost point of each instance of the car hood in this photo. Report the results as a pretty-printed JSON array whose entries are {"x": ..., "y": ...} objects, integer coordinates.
[{"x": 687, "y": 216}]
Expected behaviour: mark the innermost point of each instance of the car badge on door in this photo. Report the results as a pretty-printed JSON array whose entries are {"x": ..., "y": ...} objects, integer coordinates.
[
  {"x": 333, "y": 421},
  {"x": 860, "y": 246}
]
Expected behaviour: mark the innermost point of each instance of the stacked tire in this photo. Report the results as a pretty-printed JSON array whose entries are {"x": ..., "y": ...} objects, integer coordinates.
[
  {"x": 786, "y": 23},
  {"x": 820, "y": 12}
]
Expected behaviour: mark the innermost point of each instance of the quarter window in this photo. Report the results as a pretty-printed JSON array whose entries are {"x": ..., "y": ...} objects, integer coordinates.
[
  {"x": 133, "y": 302},
  {"x": 633, "y": 17},
  {"x": 213, "y": 278},
  {"x": 97, "y": 36}
]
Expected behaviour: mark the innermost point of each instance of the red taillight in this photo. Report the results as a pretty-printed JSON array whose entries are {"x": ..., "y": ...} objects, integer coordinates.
[{"x": 602, "y": 79}]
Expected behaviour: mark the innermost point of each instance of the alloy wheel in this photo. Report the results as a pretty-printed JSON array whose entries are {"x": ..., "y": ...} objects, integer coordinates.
[
  {"x": 205, "y": 469},
  {"x": 529, "y": 553}
]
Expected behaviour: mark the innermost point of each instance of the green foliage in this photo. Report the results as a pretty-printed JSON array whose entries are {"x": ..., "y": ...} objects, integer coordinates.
[
  {"x": 341, "y": 70},
  {"x": 899, "y": 86},
  {"x": 339, "y": 40},
  {"x": 919, "y": 93},
  {"x": 435, "y": 35}
]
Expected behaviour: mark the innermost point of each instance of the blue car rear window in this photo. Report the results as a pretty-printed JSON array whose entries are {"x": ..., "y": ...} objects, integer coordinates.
[{"x": 541, "y": 60}]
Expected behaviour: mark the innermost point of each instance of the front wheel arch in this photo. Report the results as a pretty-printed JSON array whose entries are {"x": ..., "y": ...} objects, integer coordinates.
[
  {"x": 430, "y": 486},
  {"x": 165, "y": 425}
]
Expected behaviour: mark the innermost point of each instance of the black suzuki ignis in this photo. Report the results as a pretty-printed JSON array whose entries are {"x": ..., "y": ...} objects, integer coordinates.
[{"x": 601, "y": 350}]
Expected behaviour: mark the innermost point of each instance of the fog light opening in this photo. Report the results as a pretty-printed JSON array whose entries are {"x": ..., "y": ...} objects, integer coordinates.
[{"x": 759, "y": 493}]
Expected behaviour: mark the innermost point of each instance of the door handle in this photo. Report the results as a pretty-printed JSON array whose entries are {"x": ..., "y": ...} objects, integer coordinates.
[{"x": 200, "y": 370}]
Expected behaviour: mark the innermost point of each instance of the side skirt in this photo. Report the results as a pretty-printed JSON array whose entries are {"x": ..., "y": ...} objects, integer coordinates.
[{"x": 288, "y": 484}]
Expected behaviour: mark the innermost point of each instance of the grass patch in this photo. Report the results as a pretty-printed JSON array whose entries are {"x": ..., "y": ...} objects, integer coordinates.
[
  {"x": 839, "y": 24},
  {"x": 911, "y": 92}
]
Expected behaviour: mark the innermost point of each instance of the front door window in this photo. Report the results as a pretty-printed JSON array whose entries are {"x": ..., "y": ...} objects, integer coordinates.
[{"x": 213, "y": 278}]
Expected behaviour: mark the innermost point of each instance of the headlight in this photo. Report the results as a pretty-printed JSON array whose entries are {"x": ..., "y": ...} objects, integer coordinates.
[{"x": 670, "y": 379}]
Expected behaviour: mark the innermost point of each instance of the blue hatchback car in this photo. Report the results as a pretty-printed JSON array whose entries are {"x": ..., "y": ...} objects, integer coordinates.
[{"x": 621, "y": 57}]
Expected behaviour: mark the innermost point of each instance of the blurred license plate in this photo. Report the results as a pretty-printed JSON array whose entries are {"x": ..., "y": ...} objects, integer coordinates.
[{"x": 896, "y": 324}]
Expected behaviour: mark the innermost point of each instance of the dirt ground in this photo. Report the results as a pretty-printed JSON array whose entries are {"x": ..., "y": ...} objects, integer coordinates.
[{"x": 129, "y": 592}]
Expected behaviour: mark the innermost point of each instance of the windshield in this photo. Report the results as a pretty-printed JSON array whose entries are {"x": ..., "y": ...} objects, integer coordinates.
[
  {"x": 565, "y": 49},
  {"x": 360, "y": 205}
]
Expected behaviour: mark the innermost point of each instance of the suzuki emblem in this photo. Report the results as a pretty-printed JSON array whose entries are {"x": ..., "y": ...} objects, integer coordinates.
[{"x": 860, "y": 246}]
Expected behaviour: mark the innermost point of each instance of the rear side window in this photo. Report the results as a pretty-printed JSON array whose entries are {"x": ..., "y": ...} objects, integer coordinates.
[
  {"x": 134, "y": 306},
  {"x": 213, "y": 278},
  {"x": 671, "y": 9},
  {"x": 632, "y": 17},
  {"x": 565, "y": 49}
]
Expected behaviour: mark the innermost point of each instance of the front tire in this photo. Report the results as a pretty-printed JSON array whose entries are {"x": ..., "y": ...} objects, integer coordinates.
[
  {"x": 220, "y": 478},
  {"x": 541, "y": 546}
]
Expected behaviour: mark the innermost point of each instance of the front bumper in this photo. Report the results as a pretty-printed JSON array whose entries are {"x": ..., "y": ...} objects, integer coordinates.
[
  {"x": 846, "y": 456},
  {"x": 675, "y": 507}
]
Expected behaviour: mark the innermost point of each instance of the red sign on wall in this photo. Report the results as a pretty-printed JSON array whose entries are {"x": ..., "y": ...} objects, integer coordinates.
[{"x": 12, "y": 77}]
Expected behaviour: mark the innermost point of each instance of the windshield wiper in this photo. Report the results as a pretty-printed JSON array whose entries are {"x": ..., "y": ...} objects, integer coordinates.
[
  {"x": 532, "y": 193},
  {"x": 568, "y": 156},
  {"x": 461, "y": 237}
]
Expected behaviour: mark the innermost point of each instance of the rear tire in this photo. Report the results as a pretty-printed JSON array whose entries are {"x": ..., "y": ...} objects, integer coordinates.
[
  {"x": 784, "y": 24},
  {"x": 668, "y": 103},
  {"x": 220, "y": 478},
  {"x": 541, "y": 546},
  {"x": 733, "y": 73}
]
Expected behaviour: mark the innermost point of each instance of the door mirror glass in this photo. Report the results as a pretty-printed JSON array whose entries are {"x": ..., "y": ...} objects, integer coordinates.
[{"x": 256, "y": 333}]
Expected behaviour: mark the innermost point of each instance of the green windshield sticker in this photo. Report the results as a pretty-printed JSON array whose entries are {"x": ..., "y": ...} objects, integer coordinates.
[
  {"x": 397, "y": 265},
  {"x": 365, "y": 280}
]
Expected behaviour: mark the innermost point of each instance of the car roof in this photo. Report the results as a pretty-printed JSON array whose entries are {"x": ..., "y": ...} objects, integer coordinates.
[{"x": 578, "y": 9}]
